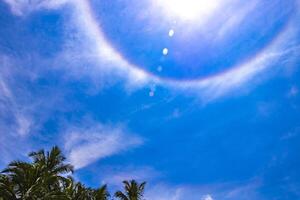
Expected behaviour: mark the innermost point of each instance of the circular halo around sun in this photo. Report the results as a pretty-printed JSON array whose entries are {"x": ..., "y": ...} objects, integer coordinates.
[{"x": 190, "y": 39}]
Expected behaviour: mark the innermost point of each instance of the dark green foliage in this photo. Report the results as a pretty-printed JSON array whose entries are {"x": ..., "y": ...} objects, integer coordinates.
[
  {"x": 132, "y": 191},
  {"x": 45, "y": 178}
]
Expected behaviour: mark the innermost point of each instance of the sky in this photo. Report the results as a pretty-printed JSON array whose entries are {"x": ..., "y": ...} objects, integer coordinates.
[{"x": 198, "y": 98}]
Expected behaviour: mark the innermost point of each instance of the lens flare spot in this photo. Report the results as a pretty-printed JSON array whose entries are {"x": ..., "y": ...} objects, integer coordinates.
[
  {"x": 171, "y": 33},
  {"x": 165, "y": 51}
]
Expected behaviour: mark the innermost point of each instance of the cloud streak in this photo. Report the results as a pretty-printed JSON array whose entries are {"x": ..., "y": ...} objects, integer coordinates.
[
  {"x": 15, "y": 118},
  {"x": 11, "y": 108},
  {"x": 104, "y": 61},
  {"x": 208, "y": 89},
  {"x": 225, "y": 191},
  {"x": 87, "y": 145},
  {"x": 23, "y": 7}
]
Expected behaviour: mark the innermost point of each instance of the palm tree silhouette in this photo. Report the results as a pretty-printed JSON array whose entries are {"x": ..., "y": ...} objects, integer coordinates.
[
  {"x": 48, "y": 177},
  {"x": 41, "y": 179},
  {"x": 51, "y": 162},
  {"x": 77, "y": 191},
  {"x": 132, "y": 191},
  {"x": 101, "y": 193}
]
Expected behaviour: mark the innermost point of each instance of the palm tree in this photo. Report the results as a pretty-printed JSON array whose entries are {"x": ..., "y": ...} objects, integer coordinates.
[
  {"x": 77, "y": 191},
  {"x": 51, "y": 162},
  {"x": 133, "y": 191},
  {"x": 6, "y": 188},
  {"x": 52, "y": 166},
  {"x": 24, "y": 180},
  {"x": 45, "y": 179},
  {"x": 41, "y": 179},
  {"x": 101, "y": 193}
]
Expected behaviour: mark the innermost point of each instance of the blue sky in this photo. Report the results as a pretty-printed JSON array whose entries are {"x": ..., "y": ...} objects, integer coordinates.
[{"x": 198, "y": 98}]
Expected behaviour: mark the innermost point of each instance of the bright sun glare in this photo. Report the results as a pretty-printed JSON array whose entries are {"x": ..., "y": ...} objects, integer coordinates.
[{"x": 189, "y": 9}]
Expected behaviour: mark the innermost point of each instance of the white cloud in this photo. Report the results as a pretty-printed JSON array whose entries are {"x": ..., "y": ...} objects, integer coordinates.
[
  {"x": 225, "y": 191},
  {"x": 207, "y": 197},
  {"x": 108, "y": 60},
  {"x": 24, "y": 107},
  {"x": 9, "y": 105},
  {"x": 15, "y": 123},
  {"x": 235, "y": 18},
  {"x": 100, "y": 53},
  {"x": 246, "y": 75},
  {"x": 22, "y": 110},
  {"x": 21, "y": 7},
  {"x": 24, "y": 124},
  {"x": 164, "y": 192},
  {"x": 100, "y": 61},
  {"x": 89, "y": 144}
]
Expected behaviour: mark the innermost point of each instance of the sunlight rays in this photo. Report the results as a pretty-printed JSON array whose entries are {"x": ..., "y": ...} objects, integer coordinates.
[{"x": 189, "y": 9}]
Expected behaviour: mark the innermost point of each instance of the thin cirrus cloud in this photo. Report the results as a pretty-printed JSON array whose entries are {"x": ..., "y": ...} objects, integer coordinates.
[
  {"x": 14, "y": 126},
  {"x": 275, "y": 55},
  {"x": 84, "y": 145},
  {"x": 8, "y": 102},
  {"x": 22, "y": 7},
  {"x": 87, "y": 145},
  {"x": 16, "y": 118},
  {"x": 225, "y": 191},
  {"x": 210, "y": 88},
  {"x": 22, "y": 111},
  {"x": 106, "y": 61}
]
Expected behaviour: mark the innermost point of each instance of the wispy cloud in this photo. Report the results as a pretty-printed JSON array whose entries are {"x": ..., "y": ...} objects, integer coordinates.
[
  {"x": 208, "y": 89},
  {"x": 100, "y": 61},
  {"x": 207, "y": 197},
  {"x": 24, "y": 106},
  {"x": 226, "y": 191},
  {"x": 244, "y": 77},
  {"x": 24, "y": 109},
  {"x": 15, "y": 121},
  {"x": 22, "y": 7},
  {"x": 86, "y": 145},
  {"x": 235, "y": 19},
  {"x": 10, "y": 107}
]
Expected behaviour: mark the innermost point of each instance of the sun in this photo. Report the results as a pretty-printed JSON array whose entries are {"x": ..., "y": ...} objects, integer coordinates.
[{"x": 189, "y": 9}]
